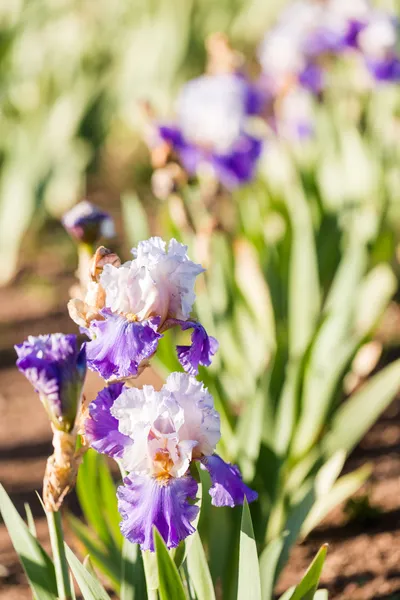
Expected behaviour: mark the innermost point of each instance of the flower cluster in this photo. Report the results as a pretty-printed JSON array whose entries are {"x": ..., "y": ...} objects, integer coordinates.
[
  {"x": 223, "y": 117},
  {"x": 211, "y": 129},
  {"x": 157, "y": 436},
  {"x": 309, "y": 33},
  {"x": 128, "y": 307}
]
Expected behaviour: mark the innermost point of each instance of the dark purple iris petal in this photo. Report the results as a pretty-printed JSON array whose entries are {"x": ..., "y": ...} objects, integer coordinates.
[
  {"x": 354, "y": 27},
  {"x": 101, "y": 428},
  {"x": 118, "y": 345},
  {"x": 233, "y": 168},
  {"x": 387, "y": 70},
  {"x": 145, "y": 502},
  {"x": 56, "y": 367},
  {"x": 171, "y": 134},
  {"x": 238, "y": 167},
  {"x": 228, "y": 488},
  {"x": 201, "y": 350}
]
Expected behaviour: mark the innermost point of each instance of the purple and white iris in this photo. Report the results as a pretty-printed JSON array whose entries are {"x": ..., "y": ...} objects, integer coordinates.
[
  {"x": 56, "y": 367},
  {"x": 293, "y": 52},
  {"x": 143, "y": 298},
  {"x": 210, "y": 133},
  {"x": 88, "y": 224},
  {"x": 156, "y": 435}
]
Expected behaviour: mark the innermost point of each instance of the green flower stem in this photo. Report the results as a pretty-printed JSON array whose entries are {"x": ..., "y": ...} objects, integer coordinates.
[{"x": 59, "y": 558}]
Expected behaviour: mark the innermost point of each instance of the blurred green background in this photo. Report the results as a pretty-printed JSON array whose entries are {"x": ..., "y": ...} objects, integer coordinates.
[{"x": 73, "y": 74}]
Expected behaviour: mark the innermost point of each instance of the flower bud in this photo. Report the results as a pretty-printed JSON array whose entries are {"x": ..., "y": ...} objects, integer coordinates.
[
  {"x": 56, "y": 368},
  {"x": 87, "y": 224}
]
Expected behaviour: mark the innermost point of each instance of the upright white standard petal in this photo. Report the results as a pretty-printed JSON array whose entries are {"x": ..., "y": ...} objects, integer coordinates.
[
  {"x": 158, "y": 282},
  {"x": 201, "y": 421},
  {"x": 114, "y": 281},
  {"x": 211, "y": 111}
]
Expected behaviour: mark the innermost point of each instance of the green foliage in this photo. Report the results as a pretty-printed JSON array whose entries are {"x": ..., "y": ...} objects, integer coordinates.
[
  {"x": 37, "y": 565},
  {"x": 89, "y": 585},
  {"x": 170, "y": 584},
  {"x": 162, "y": 579},
  {"x": 249, "y": 572}
]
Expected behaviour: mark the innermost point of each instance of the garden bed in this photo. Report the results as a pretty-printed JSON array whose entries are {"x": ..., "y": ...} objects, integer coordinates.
[{"x": 364, "y": 553}]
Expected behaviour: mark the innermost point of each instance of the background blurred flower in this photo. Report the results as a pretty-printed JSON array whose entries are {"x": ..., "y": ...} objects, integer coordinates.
[
  {"x": 211, "y": 128},
  {"x": 88, "y": 224}
]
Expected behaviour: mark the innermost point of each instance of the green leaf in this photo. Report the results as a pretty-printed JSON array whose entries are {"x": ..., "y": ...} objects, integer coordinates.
[
  {"x": 170, "y": 584},
  {"x": 90, "y": 587},
  {"x": 249, "y": 585},
  {"x": 150, "y": 570},
  {"x": 134, "y": 218},
  {"x": 109, "y": 501},
  {"x": 304, "y": 290},
  {"x": 198, "y": 570},
  {"x": 37, "y": 564},
  {"x": 345, "y": 487},
  {"x": 355, "y": 416},
  {"x": 288, "y": 594},
  {"x": 321, "y": 595},
  {"x": 133, "y": 583},
  {"x": 30, "y": 519},
  {"x": 250, "y": 431},
  {"x": 308, "y": 585},
  {"x": 99, "y": 554},
  {"x": 295, "y": 521},
  {"x": 374, "y": 295},
  {"x": 268, "y": 565},
  {"x": 89, "y": 491}
]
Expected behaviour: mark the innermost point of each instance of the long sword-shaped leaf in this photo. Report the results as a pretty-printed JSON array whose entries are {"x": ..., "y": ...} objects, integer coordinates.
[
  {"x": 268, "y": 564},
  {"x": 249, "y": 585},
  {"x": 198, "y": 570},
  {"x": 308, "y": 585},
  {"x": 345, "y": 487},
  {"x": 90, "y": 586},
  {"x": 133, "y": 583},
  {"x": 304, "y": 291},
  {"x": 37, "y": 565},
  {"x": 170, "y": 584},
  {"x": 353, "y": 419}
]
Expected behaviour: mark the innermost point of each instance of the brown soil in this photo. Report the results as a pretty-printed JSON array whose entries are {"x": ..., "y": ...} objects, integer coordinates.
[{"x": 364, "y": 554}]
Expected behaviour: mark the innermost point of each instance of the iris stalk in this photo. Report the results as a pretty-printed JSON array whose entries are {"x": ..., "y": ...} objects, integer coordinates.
[{"x": 59, "y": 558}]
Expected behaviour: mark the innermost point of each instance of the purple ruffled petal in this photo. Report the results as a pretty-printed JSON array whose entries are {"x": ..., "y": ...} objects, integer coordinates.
[
  {"x": 119, "y": 346},
  {"x": 145, "y": 502},
  {"x": 101, "y": 428},
  {"x": 228, "y": 488},
  {"x": 201, "y": 350}
]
